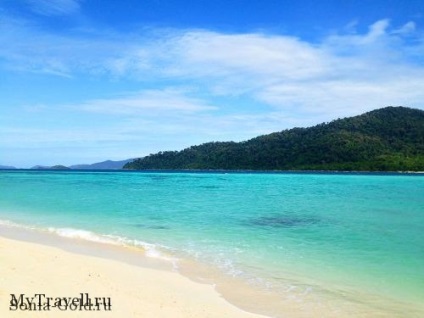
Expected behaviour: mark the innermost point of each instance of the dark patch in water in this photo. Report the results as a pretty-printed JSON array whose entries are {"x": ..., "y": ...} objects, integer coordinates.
[
  {"x": 283, "y": 221},
  {"x": 153, "y": 227},
  {"x": 209, "y": 187},
  {"x": 158, "y": 227},
  {"x": 159, "y": 178}
]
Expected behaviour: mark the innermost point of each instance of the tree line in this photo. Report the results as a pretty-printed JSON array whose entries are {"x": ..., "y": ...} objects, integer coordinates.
[{"x": 387, "y": 139}]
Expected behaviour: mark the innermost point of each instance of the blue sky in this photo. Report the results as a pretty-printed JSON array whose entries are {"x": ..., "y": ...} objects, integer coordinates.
[{"x": 83, "y": 81}]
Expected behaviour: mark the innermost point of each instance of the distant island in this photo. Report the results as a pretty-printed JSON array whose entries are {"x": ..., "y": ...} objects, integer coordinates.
[
  {"x": 104, "y": 165},
  {"x": 56, "y": 167},
  {"x": 386, "y": 139},
  {"x": 7, "y": 167}
]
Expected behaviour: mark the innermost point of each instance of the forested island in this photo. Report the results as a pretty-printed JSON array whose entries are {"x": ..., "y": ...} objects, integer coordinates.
[{"x": 386, "y": 139}]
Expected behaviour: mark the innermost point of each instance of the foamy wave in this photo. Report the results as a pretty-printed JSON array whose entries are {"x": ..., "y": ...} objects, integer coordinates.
[
  {"x": 13, "y": 224},
  {"x": 6, "y": 223},
  {"x": 151, "y": 250},
  {"x": 82, "y": 235}
]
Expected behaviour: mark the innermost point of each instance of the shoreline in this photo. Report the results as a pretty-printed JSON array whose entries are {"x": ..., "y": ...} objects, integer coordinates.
[
  {"x": 228, "y": 294},
  {"x": 138, "y": 286},
  {"x": 233, "y": 290}
]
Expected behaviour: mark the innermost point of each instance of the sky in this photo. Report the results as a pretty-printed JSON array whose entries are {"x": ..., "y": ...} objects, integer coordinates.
[{"x": 82, "y": 81}]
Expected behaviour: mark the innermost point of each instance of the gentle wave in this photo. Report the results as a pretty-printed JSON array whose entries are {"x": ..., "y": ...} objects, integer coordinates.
[
  {"x": 8, "y": 223},
  {"x": 82, "y": 235},
  {"x": 150, "y": 250}
]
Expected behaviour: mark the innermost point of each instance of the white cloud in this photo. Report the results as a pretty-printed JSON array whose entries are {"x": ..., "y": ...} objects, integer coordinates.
[
  {"x": 256, "y": 54},
  {"x": 341, "y": 76},
  {"x": 407, "y": 28},
  {"x": 148, "y": 103},
  {"x": 376, "y": 30}
]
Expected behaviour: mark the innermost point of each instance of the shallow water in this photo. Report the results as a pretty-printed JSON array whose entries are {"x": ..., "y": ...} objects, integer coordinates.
[{"x": 323, "y": 240}]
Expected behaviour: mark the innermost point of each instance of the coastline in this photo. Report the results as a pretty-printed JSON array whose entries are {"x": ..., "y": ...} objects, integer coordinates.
[
  {"x": 33, "y": 261},
  {"x": 148, "y": 288}
]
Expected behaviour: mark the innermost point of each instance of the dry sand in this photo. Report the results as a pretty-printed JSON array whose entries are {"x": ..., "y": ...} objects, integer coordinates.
[{"x": 135, "y": 291}]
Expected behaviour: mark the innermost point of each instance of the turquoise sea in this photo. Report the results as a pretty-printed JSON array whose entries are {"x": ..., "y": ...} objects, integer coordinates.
[{"x": 344, "y": 243}]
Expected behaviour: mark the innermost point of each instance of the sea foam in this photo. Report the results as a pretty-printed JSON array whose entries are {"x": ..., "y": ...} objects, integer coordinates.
[
  {"x": 82, "y": 235},
  {"x": 150, "y": 250}
]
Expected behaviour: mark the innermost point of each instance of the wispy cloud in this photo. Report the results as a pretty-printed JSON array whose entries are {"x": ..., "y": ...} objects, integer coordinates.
[
  {"x": 206, "y": 55},
  {"x": 344, "y": 73},
  {"x": 407, "y": 28},
  {"x": 148, "y": 103},
  {"x": 54, "y": 7},
  {"x": 24, "y": 47}
]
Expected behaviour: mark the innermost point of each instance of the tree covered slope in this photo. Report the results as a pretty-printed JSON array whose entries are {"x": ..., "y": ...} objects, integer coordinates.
[{"x": 387, "y": 139}]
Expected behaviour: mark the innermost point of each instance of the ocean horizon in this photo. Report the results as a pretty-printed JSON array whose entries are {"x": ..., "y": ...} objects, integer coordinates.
[{"x": 347, "y": 242}]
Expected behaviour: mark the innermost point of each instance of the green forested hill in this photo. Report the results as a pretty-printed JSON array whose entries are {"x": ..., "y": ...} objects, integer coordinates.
[{"x": 387, "y": 139}]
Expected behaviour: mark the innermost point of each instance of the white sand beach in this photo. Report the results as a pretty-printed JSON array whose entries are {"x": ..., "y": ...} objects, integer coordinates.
[{"x": 134, "y": 291}]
